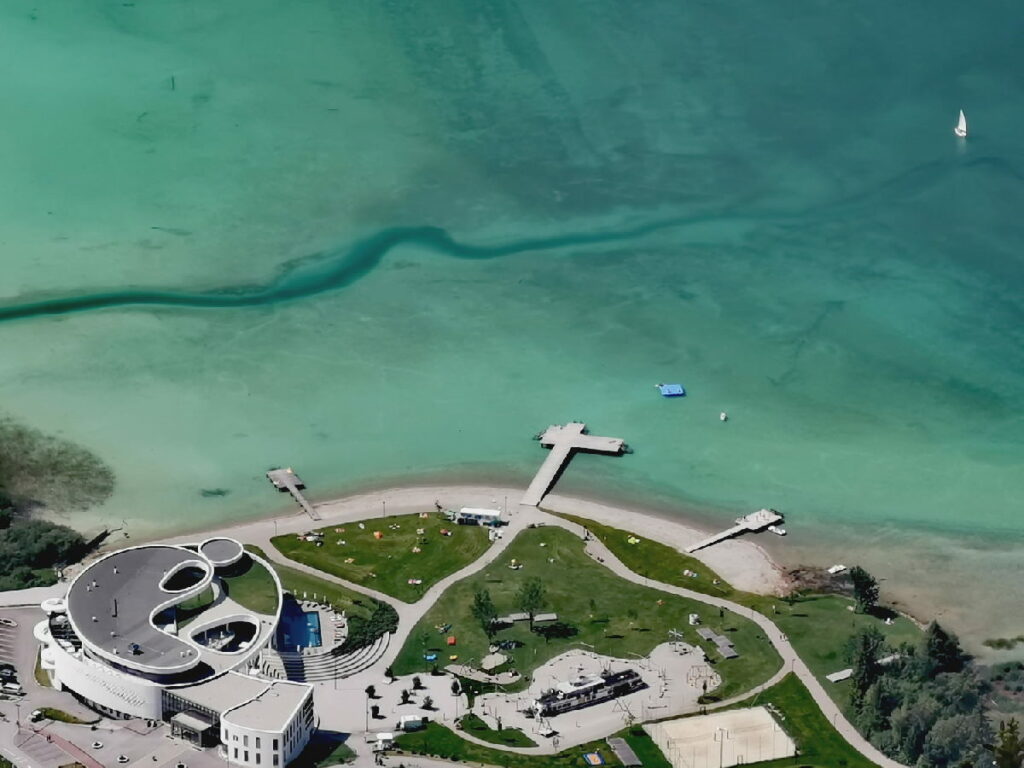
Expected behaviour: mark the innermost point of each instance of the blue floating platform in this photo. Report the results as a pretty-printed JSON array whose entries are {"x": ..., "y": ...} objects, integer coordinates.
[{"x": 671, "y": 390}]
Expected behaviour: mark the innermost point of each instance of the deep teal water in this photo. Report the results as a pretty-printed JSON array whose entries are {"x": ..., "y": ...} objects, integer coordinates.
[{"x": 383, "y": 241}]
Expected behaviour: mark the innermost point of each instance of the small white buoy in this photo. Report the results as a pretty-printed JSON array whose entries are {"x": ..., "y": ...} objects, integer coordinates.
[{"x": 723, "y": 416}]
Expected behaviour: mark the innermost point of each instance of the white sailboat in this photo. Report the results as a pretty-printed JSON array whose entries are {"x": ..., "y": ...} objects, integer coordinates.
[{"x": 961, "y": 126}]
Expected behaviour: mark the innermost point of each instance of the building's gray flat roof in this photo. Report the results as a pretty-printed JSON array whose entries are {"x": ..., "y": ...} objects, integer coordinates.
[
  {"x": 248, "y": 701},
  {"x": 272, "y": 709},
  {"x": 123, "y": 602},
  {"x": 192, "y": 722},
  {"x": 221, "y": 551},
  {"x": 224, "y": 692}
]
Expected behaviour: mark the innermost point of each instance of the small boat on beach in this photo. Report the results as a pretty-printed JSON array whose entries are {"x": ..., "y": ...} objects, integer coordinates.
[{"x": 961, "y": 126}]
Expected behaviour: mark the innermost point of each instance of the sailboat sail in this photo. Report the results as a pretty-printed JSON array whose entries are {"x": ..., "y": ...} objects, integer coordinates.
[{"x": 961, "y": 126}]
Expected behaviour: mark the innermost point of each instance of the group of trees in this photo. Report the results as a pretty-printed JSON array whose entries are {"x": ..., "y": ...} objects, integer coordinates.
[
  {"x": 531, "y": 597},
  {"x": 926, "y": 707},
  {"x": 363, "y": 631},
  {"x": 31, "y": 549},
  {"x": 42, "y": 471},
  {"x": 865, "y": 589}
]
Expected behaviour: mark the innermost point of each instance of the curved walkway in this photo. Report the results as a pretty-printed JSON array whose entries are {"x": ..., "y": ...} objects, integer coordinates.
[
  {"x": 789, "y": 656},
  {"x": 409, "y": 615}
]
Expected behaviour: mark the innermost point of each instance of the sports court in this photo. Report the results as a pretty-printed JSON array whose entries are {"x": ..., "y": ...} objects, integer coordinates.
[{"x": 736, "y": 737}]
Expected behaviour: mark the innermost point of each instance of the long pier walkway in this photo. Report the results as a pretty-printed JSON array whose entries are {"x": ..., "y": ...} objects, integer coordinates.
[
  {"x": 755, "y": 521},
  {"x": 287, "y": 480},
  {"x": 563, "y": 441}
]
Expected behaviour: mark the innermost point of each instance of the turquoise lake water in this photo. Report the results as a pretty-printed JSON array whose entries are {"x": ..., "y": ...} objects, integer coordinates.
[{"x": 391, "y": 241}]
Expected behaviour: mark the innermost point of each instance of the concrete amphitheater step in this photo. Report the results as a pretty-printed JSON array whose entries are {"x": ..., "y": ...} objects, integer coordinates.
[{"x": 329, "y": 667}]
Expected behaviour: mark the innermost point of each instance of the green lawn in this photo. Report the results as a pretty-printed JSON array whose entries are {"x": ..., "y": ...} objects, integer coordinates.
[
  {"x": 187, "y": 611},
  {"x": 49, "y": 713},
  {"x": 818, "y": 743},
  {"x": 615, "y": 617},
  {"x": 435, "y": 739},
  {"x": 299, "y": 583},
  {"x": 387, "y": 564},
  {"x": 818, "y": 626},
  {"x": 646, "y": 750},
  {"x": 41, "y": 675},
  {"x": 655, "y": 560},
  {"x": 510, "y": 737},
  {"x": 253, "y": 588}
]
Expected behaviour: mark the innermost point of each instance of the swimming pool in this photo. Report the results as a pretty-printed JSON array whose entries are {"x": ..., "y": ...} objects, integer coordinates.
[{"x": 298, "y": 628}]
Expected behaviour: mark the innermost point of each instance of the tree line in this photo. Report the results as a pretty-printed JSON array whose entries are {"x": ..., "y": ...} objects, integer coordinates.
[
  {"x": 39, "y": 471},
  {"x": 925, "y": 706}
]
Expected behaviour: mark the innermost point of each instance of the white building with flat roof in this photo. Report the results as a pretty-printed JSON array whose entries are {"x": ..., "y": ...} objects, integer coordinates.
[{"x": 153, "y": 632}]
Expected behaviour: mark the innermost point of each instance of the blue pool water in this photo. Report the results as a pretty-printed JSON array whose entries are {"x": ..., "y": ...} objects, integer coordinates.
[{"x": 298, "y": 628}]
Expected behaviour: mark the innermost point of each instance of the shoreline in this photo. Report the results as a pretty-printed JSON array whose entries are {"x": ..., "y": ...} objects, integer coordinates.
[
  {"x": 908, "y": 563},
  {"x": 743, "y": 563}
]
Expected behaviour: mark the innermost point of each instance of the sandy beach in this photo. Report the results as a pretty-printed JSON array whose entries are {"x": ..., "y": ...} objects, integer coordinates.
[{"x": 742, "y": 562}]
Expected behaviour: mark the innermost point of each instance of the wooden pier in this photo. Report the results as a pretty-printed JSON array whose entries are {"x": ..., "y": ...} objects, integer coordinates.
[
  {"x": 563, "y": 442},
  {"x": 755, "y": 521},
  {"x": 287, "y": 480}
]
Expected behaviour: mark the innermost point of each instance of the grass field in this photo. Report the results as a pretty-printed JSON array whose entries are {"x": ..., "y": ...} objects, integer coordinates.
[
  {"x": 656, "y": 561},
  {"x": 298, "y": 583},
  {"x": 510, "y": 737},
  {"x": 818, "y": 743},
  {"x": 253, "y": 588},
  {"x": 41, "y": 675},
  {"x": 50, "y": 713},
  {"x": 388, "y": 563},
  {"x": 435, "y": 739},
  {"x": 818, "y": 626},
  {"x": 615, "y": 617},
  {"x": 188, "y": 610}
]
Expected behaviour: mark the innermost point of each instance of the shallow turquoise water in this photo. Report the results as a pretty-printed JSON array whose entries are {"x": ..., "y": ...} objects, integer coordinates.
[{"x": 763, "y": 201}]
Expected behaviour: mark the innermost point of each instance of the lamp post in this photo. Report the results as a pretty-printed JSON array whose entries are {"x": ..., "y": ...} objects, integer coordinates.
[
  {"x": 721, "y": 734},
  {"x": 383, "y": 508}
]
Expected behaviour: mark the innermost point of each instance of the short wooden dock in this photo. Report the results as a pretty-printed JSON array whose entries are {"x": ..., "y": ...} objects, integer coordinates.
[
  {"x": 755, "y": 521},
  {"x": 286, "y": 480},
  {"x": 563, "y": 442}
]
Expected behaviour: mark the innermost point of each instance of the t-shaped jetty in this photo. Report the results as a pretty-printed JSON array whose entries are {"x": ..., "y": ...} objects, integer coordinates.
[
  {"x": 563, "y": 441},
  {"x": 287, "y": 480},
  {"x": 755, "y": 521}
]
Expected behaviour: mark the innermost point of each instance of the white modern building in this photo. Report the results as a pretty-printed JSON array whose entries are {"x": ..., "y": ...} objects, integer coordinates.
[{"x": 153, "y": 632}]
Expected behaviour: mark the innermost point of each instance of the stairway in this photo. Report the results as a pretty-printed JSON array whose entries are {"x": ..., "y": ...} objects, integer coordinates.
[{"x": 328, "y": 666}]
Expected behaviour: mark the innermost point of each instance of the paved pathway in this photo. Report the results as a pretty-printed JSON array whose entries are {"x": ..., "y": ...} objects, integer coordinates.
[
  {"x": 410, "y": 614},
  {"x": 790, "y": 660}
]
